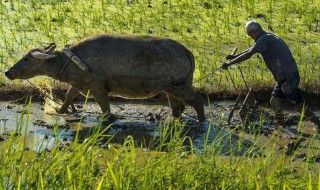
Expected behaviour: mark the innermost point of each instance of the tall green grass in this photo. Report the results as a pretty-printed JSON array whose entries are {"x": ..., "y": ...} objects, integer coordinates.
[
  {"x": 169, "y": 165},
  {"x": 210, "y": 29},
  {"x": 169, "y": 161}
]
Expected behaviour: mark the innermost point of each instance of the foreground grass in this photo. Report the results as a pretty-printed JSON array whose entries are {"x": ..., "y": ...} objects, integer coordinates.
[
  {"x": 210, "y": 29},
  {"x": 168, "y": 164}
]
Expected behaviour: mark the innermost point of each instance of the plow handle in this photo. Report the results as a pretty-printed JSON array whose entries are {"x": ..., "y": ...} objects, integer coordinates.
[
  {"x": 234, "y": 51},
  {"x": 238, "y": 99}
]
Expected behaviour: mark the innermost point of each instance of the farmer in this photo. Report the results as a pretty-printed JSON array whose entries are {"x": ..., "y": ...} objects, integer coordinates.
[{"x": 282, "y": 65}]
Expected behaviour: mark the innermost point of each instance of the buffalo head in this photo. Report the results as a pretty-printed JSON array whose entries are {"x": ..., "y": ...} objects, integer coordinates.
[{"x": 30, "y": 64}]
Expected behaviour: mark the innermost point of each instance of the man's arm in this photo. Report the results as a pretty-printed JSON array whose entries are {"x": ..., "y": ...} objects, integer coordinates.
[
  {"x": 235, "y": 56},
  {"x": 242, "y": 57}
]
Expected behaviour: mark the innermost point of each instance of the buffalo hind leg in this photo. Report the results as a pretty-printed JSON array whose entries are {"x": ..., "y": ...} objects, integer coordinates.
[
  {"x": 176, "y": 105},
  {"x": 70, "y": 95},
  {"x": 100, "y": 95},
  {"x": 193, "y": 99}
]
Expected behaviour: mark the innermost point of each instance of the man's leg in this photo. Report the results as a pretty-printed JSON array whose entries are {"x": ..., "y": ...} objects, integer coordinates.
[
  {"x": 278, "y": 112},
  {"x": 276, "y": 104},
  {"x": 290, "y": 88}
]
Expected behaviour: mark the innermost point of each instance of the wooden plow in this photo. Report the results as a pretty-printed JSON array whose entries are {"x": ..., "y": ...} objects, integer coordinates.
[{"x": 245, "y": 106}]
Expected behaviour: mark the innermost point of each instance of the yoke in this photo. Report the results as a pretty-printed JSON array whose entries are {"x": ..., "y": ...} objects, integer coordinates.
[{"x": 75, "y": 59}]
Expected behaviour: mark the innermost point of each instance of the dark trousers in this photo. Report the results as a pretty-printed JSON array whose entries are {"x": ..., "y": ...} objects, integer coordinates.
[{"x": 289, "y": 89}]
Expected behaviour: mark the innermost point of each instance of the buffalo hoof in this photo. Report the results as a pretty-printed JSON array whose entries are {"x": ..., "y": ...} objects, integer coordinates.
[
  {"x": 107, "y": 120},
  {"x": 62, "y": 110}
]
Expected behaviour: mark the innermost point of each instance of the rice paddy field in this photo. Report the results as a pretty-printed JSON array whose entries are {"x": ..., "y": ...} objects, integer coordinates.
[{"x": 210, "y": 30}]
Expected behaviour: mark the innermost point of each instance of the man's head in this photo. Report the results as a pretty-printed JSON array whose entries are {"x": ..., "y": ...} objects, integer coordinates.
[{"x": 253, "y": 28}]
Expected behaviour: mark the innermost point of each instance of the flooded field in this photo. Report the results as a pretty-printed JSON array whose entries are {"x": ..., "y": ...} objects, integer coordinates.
[
  {"x": 143, "y": 121},
  {"x": 145, "y": 140}
]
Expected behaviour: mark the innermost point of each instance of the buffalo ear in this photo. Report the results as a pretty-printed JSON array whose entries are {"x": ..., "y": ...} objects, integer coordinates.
[{"x": 50, "y": 49}]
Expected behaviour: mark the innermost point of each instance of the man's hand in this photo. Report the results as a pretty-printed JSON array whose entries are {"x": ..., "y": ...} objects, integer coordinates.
[
  {"x": 225, "y": 65},
  {"x": 228, "y": 57}
]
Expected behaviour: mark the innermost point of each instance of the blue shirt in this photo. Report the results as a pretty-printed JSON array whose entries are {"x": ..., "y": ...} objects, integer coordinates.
[{"x": 276, "y": 54}]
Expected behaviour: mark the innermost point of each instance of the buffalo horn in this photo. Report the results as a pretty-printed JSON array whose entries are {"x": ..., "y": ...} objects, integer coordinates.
[
  {"x": 40, "y": 55},
  {"x": 51, "y": 48},
  {"x": 51, "y": 44}
]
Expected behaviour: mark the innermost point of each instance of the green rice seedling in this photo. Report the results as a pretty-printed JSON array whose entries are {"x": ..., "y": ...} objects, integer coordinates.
[
  {"x": 210, "y": 33},
  {"x": 218, "y": 25},
  {"x": 86, "y": 165}
]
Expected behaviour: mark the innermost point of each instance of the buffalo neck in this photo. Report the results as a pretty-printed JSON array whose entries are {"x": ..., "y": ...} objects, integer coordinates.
[{"x": 61, "y": 68}]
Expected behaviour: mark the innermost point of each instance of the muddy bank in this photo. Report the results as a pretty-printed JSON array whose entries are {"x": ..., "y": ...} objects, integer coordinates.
[{"x": 22, "y": 93}]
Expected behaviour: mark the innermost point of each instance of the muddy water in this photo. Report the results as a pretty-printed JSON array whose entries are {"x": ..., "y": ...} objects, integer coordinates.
[{"x": 143, "y": 120}]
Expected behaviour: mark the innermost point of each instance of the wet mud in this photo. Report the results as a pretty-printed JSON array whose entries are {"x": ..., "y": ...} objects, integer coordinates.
[{"x": 145, "y": 122}]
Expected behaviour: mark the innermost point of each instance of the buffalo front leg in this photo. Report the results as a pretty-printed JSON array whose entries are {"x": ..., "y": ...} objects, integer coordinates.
[
  {"x": 100, "y": 95},
  {"x": 193, "y": 99},
  {"x": 70, "y": 95},
  {"x": 176, "y": 105}
]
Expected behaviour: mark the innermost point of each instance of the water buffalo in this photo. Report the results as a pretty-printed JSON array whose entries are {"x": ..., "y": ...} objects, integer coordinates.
[{"x": 129, "y": 66}]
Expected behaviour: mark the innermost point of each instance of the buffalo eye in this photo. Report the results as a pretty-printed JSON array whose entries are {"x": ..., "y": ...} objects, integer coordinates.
[{"x": 25, "y": 59}]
